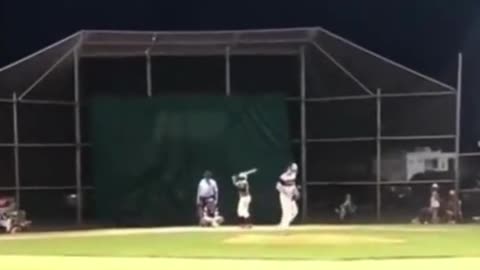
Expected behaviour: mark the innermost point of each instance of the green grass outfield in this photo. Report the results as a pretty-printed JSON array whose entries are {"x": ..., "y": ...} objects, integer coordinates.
[{"x": 309, "y": 247}]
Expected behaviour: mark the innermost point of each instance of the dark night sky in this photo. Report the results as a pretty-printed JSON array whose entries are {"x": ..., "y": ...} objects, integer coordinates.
[{"x": 423, "y": 34}]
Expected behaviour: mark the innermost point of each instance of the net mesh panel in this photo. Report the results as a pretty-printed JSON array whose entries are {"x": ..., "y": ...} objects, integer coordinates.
[
  {"x": 470, "y": 109},
  {"x": 38, "y": 123},
  {"x": 113, "y": 76},
  {"x": 469, "y": 172},
  {"x": 293, "y": 108},
  {"x": 418, "y": 116},
  {"x": 410, "y": 116},
  {"x": 58, "y": 84},
  {"x": 340, "y": 161},
  {"x": 337, "y": 119},
  {"x": 54, "y": 166},
  {"x": 325, "y": 79},
  {"x": 87, "y": 166},
  {"x": 263, "y": 74},
  {"x": 150, "y": 154},
  {"x": 373, "y": 71},
  {"x": 394, "y": 159},
  {"x": 6, "y": 118},
  {"x": 19, "y": 77},
  {"x": 47, "y": 207},
  {"x": 7, "y": 170},
  {"x": 6, "y": 154},
  {"x": 188, "y": 75},
  {"x": 402, "y": 203},
  {"x": 324, "y": 199}
]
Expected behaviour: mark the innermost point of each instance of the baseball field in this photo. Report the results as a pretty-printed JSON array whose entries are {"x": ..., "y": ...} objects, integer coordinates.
[{"x": 263, "y": 247}]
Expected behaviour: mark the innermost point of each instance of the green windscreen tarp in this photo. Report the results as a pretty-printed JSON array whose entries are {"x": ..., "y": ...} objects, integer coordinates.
[{"x": 149, "y": 155}]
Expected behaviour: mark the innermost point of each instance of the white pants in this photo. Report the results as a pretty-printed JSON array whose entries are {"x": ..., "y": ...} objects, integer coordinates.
[
  {"x": 213, "y": 221},
  {"x": 289, "y": 206},
  {"x": 6, "y": 223},
  {"x": 243, "y": 208}
]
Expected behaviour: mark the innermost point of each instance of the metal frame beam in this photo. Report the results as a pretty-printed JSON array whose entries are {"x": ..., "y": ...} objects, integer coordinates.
[
  {"x": 417, "y": 94},
  {"x": 384, "y": 95},
  {"x": 201, "y": 43},
  {"x": 470, "y": 154},
  {"x": 375, "y": 182},
  {"x": 43, "y": 145},
  {"x": 41, "y": 188},
  {"x": 179, "y": 52},
  {"x": 418, "y": 137},
  {"x": 382, "y": 138},
  {"x": 346, "y": 139},
  {"x": 234, "y": 33},
  {"x": 40, "y": 101}
]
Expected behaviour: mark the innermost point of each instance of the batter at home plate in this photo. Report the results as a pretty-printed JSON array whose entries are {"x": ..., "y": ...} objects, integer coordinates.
[{"x": 240, "y": 181}]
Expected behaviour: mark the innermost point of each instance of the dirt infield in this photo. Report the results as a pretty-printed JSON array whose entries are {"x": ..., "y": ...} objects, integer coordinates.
[
  {"x": 81, "y": 263},
  {"x": 101, "y": 232},
  {"x": 309, "y": 239}
]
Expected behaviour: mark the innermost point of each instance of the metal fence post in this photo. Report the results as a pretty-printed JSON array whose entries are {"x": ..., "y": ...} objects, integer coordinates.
[
  {"x": 228, "y": 85},
  {"x": 148, "y": 60},
  {"x": 303, "y": 115},
  {"x": 379, "y": 156},
  {"x": 458, "y": 114},
  {"x": 78, "y": 138},
  {"x": 16, "y": 150}
]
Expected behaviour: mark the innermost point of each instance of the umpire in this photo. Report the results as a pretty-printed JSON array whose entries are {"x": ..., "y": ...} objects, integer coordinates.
[{"x": 207, "y": 190}]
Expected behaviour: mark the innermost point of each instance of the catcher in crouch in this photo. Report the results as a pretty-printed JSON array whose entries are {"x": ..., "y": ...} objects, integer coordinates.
[
  {"x": 240, "y": 181},
  {"x": 210, "y": 216}
]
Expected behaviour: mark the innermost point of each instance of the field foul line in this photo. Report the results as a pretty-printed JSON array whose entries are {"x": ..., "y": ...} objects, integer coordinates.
[{"x": 110, "y": 263}]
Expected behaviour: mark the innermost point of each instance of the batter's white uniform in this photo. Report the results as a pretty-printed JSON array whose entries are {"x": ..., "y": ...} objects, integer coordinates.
[
  {"x": 244, "y": 200},
  {"x": 287, "y": 192},
  {"x": 243, "y": 208}
]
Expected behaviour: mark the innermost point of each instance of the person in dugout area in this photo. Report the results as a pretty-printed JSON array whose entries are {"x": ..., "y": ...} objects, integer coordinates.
[
  {"x": 347, "y": 209},
  {"x": 453, "y": 211},
  {"x": 435, "y": 203},
  {"x": 7, "y": 205},
  {"x": 431, "y": 213}
]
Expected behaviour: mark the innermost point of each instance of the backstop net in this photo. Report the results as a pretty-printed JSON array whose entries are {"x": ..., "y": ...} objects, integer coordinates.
[{"x": 354, "y": 121}]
